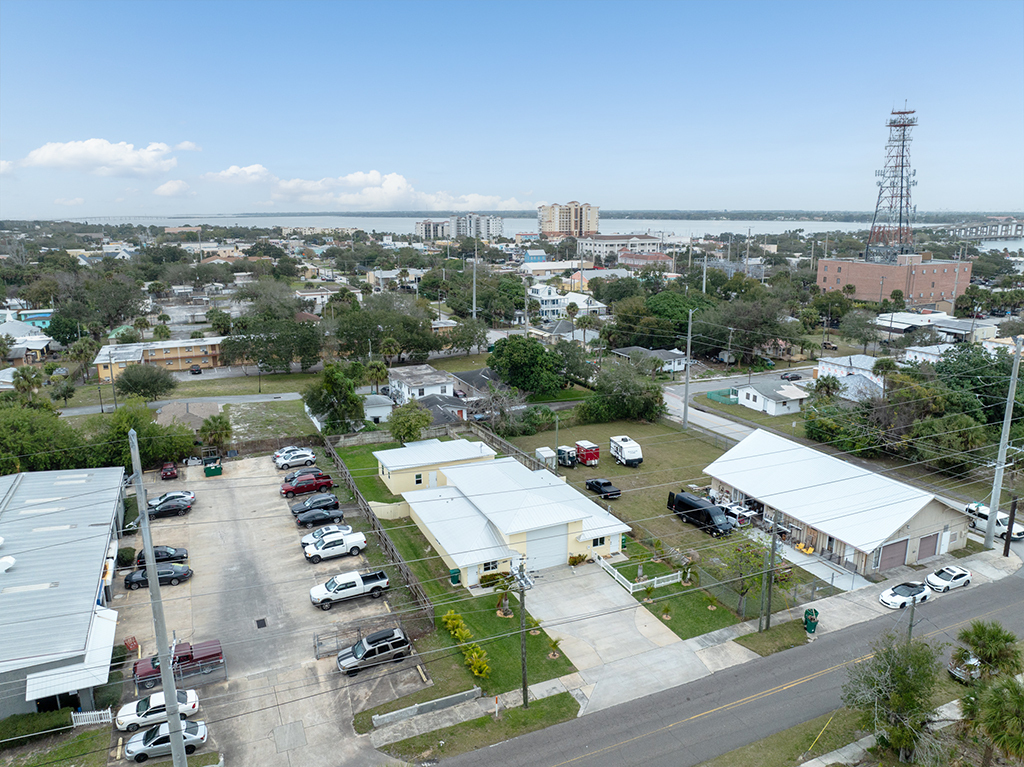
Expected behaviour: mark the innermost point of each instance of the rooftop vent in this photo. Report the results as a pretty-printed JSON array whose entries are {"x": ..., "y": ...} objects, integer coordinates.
[{"x": 6, "y": 563}]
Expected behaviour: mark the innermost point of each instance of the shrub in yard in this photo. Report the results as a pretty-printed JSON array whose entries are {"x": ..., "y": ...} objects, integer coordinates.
[
  {"x": 118, "y": 655},
  {"x": 28, "y": 727},
  {"x": 125, "y": 557},
  {"x": 109, "y": 694},
  {"x": 476, "y": 659},
  {"x": 474, "y": 655},
  {"x": 577, "y": 559},
  {"x": 489, "y": 579}
]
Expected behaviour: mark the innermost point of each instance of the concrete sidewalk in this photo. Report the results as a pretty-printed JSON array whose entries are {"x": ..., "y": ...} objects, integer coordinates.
[{"x": 635, "y": 676}]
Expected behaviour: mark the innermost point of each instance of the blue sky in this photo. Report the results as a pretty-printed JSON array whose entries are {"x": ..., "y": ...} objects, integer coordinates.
[{"x": 161, "y": 108}]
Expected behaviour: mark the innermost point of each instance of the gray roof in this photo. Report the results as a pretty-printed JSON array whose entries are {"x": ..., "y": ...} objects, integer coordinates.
[
  {"x": 19, "y": 329},
  {"x": 858, "y": 388},
  {"x": 845, "y": 501},
  {"x": 431, "y": 451},
  {"x": 377, "y": 400},
  {"x": 479, "y": 379},
  {"x": 419, "y": 375},
  {"x": 57, "y": 525},
  {"x": 784, "y": 391},
  {"x": 667, "y": 355}
]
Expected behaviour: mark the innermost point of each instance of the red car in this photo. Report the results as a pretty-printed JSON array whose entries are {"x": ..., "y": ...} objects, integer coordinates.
[
  {"x": 307, "y": 484},
  {"x": 168, "y": 471}
]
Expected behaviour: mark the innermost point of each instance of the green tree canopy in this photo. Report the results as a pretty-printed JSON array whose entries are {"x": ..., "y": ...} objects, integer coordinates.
[
  {"x": 146, "y": 381},
  {"x": 216, "y": 430},
  {"x": 525, "y": 364},
  {"x": 332, "y": 398},
  {"x": 406, "y": 423},
  {"x": 622, "y": 393}
]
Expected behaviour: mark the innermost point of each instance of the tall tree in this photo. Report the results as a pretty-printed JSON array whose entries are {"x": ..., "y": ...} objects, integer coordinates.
[
  {"x": 376, "y": 374},
  {"x": 83, "y": 351},
  {"x": 571, "y": 310},
  {"x": 406, "y": 423},
  {"x": 994, "y": 646},
  {"x": 216, "y": 430},
  {"x": 859, "y": 327},
  {"x": 61, "y": 387},
  {"x": 997, "y": 711},
  {"x": 332, "y": 398},
  {"x": 525, "y": 364},
  {"x": 27, "y": 382},
  {"x": 147, "y": 381}
]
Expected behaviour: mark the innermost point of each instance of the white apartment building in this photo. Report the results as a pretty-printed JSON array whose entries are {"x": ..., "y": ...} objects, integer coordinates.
[
  {"x": 432, "y": 230},
  {"x": 552, "y": 305},
  {"x": 478, "y": 227},
  {"x": 573, "y": 219},
  {"x": 606, "y": 246}
]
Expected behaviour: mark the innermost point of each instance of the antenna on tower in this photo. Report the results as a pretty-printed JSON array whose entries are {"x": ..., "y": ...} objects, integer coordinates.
[{"x": 892, "y": 231}]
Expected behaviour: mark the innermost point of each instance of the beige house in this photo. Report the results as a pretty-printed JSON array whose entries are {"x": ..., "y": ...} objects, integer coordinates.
[
  {"x": 179, "y": 354},
  {"x": 491, "y": 516},
  {"x": 847, "y": 514},
  {"x": 420, "y": 464}
]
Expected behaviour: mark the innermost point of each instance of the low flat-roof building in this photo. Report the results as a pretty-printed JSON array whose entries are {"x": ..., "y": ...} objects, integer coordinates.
[
  {"x": 179, "y": 354},
  {"x": 417, "y": 464},
  {"x": 848, "y": 514},
  {"x": 417, "y": 381},
  {"x": 60, "y": 531}
]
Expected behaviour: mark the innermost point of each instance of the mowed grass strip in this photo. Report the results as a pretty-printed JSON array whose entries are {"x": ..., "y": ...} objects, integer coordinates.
[
  {"x": 485, "y": 731},
  {"x": 363, "y": 466},
  {"x": 266, "y": 420}
]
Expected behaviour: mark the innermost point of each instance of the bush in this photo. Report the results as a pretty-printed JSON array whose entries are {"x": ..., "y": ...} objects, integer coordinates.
[
  {"x": 489, "y": 579},
  {"x": 125, "y": 558},
  {"x": 109, "y": 695},
  {"x": 131, "y": 510},
  {"x": 49, "y": 367},
  {"x": 29, "y": 727},
  {"x": 577, "y": 559},
  {"x": 118, "y": 656}
]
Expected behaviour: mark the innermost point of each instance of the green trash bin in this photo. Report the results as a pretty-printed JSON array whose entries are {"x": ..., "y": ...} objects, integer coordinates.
[
  {"x": 455, "y": 576},
  {"x": 215, "y": 470},
  {"x": 810, "y": 620}
]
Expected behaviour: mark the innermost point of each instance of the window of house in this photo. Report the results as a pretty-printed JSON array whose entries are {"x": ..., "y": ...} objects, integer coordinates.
[
  {"x": 839, "y": 269},
  {"x": 205, "y": 359},
  {"x": 444, "y": 390},
  {"x": 421, "y": 392},
  {"x": 188, "y": 348},
  {"x": 933, "y": 284},
  {"x": 876, "y": 560},
  {"x": 490, "y": 567},
  {"x": 167, "y": 351},
  {"x": 419, "y": 479},
  {"x": 203, "y": 349},
  {"x": 825, "y": 269},
  {"x": 188, "y": 362},
  {"x": 598, "y": 542},
  {"x": 169, "y": 362},
  {"x": 837, "y": 280},
  {"x": 152, "y": 352},
  {"x": 120, "y": 364}
]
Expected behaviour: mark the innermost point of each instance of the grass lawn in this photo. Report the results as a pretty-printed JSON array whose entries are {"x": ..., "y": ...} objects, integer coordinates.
[
  {"x": 485, "y": 731},
  {"x": 782, "y": 423},
  {"x": 778, "y": 638},
  {"x": 363, "y": 465},
  {"x": 970, "y": 547},
  {"x": 459, "y": 362},
  {"x": 672, "y": 460},
  {"x": 83, "y": 749},
  {"x": 263, "y": 420},
  {"x": 576, "y": 392}
]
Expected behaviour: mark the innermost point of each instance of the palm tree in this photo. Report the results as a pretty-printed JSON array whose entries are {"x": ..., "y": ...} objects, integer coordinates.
[
  {"x": 377, "y": 373},
  {"x": 884, "y": 367},
  {"x": 826, "y": 389},
  {"x": 216, "y": 430},
  {"x": 83, "y": 351},
  {"x": 141, "y": 324},
  {"x": 997, "y": 711},
  {"x": 27, "y": 381},
  {"x": 995, "y": 648},
  {"x": 571, "y": 311},
  {"x": 390, "y": 348}
]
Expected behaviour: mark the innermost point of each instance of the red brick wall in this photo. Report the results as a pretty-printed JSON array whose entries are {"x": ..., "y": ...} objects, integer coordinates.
[{"x": 923, "y": 283}]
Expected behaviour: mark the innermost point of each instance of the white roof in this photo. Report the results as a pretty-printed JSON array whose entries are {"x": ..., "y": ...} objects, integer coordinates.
[
  {"x": 467, "y": 535},
  {"x": 852, "y": 504},
  {"x": 92, "y": 671},
  {"x": 431, "y": 451}
]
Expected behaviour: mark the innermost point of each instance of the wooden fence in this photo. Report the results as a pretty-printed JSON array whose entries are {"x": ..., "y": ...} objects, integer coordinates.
[{"x": 386, "y": 544}]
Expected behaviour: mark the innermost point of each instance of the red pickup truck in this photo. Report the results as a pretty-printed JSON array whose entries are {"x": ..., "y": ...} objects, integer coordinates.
[
  {"x": 188, "y": 660},
  {"x": 307, "y": 483}
]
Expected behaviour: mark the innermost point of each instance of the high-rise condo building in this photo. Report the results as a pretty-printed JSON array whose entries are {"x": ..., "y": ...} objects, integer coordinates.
[
  {"x": 573, "y": 219},
  {"x": 477, "y": 227}
]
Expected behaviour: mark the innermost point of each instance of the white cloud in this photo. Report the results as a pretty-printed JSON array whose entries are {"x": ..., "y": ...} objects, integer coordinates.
[
  {"x": 6, "y": 166},
  {"x": 247, "y": 175},
  {"x": 188, "y": 146},
  {"x": 71, "y": 201},
  {"x": 175, "y": 188},
  {"x": 99, "y": 156}
]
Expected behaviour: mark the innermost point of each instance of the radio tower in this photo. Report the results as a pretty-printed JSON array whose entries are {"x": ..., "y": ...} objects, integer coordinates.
[{"x": 892, "y": 227}]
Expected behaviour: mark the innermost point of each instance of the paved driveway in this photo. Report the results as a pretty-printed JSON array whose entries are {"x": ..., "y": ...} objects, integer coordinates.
[
  {"x": 279, "y": 705},
  {"x": 621, "y": 650}
]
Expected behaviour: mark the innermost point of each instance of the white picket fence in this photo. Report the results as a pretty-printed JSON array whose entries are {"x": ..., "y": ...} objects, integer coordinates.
[
  {"x": 632, "y": 588},
  {"x": 78, "y": 718}
]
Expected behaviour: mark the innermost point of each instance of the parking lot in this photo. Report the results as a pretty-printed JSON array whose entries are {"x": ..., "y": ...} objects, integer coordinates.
[{"x": 251, "y": 591}]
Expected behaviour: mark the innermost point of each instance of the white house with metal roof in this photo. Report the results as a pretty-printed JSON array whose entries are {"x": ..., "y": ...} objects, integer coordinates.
[
  {"x": 420, "y": 464},
  {"x": 415, "y": 381},
  {"x": 863, "y": 520},
  {"x": 772, "y": 398},
  {"x": 58, "y": 543},
  {"x": 492, "y": 515}
]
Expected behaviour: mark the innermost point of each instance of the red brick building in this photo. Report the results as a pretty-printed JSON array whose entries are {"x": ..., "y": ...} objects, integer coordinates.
[{"x": 922, "y": 280}]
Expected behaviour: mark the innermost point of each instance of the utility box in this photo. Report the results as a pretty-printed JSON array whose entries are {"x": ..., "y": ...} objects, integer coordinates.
[
  {"x": 587, "y": 453},
  {"x": 547, "y": 457}
]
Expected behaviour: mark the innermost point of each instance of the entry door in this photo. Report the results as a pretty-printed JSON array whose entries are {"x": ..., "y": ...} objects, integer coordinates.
[
  {"x": 432, "y": 479},
  {"x": 928, "y": 546}
]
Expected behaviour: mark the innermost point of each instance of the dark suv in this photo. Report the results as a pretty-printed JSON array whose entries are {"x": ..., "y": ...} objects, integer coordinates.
[{"x": 377, "y": 648}]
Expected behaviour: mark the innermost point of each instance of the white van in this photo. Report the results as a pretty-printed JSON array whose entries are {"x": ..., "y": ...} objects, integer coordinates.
[
  {"x": 626, "y": 451},
  {"x": 979, "y": 519}
]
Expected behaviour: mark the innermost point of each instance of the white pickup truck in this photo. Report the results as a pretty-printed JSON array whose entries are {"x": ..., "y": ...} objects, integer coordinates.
[
  {"x": 348, "y": 586},
  {"x": 334, "y": 545}
]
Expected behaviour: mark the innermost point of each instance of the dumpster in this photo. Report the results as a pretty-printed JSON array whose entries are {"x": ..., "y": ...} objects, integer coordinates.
[
  {"x": 810, "y": 620},
  {"x": 213, "y": 470}
]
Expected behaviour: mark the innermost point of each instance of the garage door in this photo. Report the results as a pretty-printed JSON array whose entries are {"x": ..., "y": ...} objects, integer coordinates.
[
  {"x": 928, "y": 546},
  {"x": 547, "y": 547},
  {"x": 893, "y": 555}
]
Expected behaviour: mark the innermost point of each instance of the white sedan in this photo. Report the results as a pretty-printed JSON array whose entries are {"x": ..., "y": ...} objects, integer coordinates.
[
  {"x": 948, "y": 578},
  {"x": 185, "y": 495},
  {"x": 151, "y": 710},
  {"x": 900, "y": 596},
  {"x": 283, "y": 450},
  {"x": 295, "y": 458}
]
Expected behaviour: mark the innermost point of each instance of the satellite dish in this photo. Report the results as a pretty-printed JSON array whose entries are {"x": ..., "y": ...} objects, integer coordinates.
[{"x": 6, "y": 563}]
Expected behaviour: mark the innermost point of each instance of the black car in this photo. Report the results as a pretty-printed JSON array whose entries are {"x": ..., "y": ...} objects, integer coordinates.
[
  {"x": 318, "y": 501},
  {"x": 791, "y": 376},
  {"x": 308, "y": 519},
  {"x": 162, "y": 555},
  {"x": 168, "y": 575},
  {"x": 175, "y": 507},
  {"x": 310, "y": 471},
  {"x": 604, "y": 488},
  {"x": 195, "y": 370}
]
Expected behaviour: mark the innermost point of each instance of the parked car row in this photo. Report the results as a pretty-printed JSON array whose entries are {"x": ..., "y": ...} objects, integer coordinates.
[{"x": 909, "y": 592}]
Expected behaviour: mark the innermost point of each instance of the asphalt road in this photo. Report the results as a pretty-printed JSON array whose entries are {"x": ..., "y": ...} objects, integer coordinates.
[{"x": 711, "y": 716}]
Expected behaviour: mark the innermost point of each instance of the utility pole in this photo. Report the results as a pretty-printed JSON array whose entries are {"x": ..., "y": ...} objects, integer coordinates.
[
  {"x": 910, "y": 623},
  {"x": 771, "y": 576},
  {"x": 746, "y": 261},
  {"x": 704, "y": 282},
  {"x": 686, "y": 385},
  {"x": 178, "y": 757},
  {"x": 522, "y": 630},
  {"x": 1009, "y": 526},
  {"x": 997, "y": 482},
  {"x": 475, "y": 244}
]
